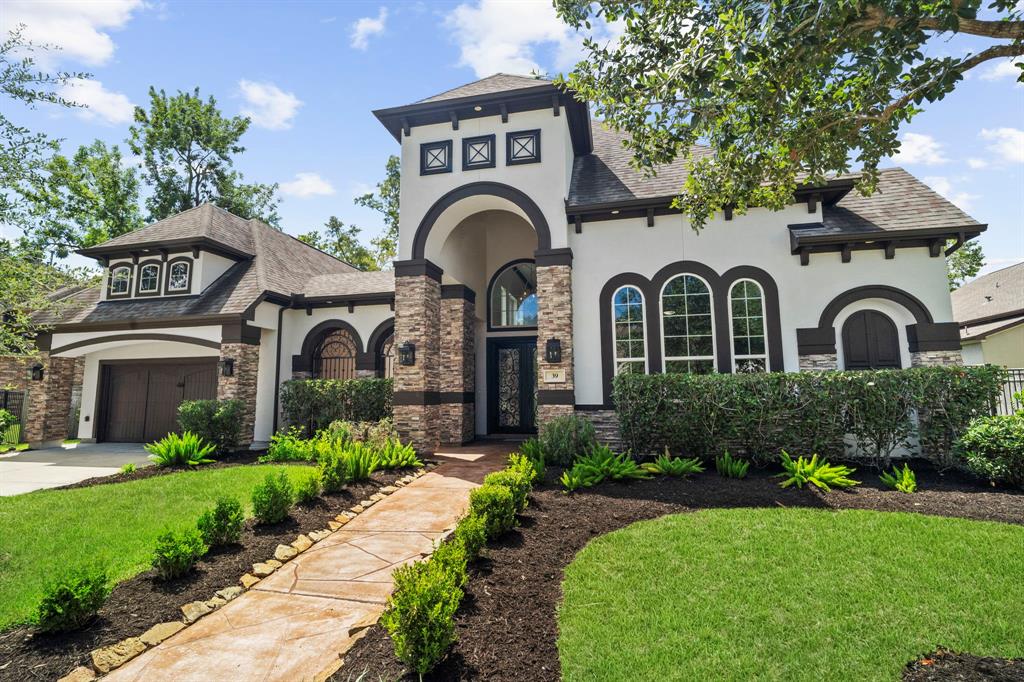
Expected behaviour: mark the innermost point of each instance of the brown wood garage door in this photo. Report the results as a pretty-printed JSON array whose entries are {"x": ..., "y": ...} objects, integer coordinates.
[{"x": 139, "y": 400}]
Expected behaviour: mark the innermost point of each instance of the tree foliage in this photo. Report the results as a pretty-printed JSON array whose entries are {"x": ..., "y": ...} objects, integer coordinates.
[
  {"x": 188, "y": 147},
  {"x": 385, "y": 201},
  {"x": 783, "y": 92},
  {"x": 342, "y": 242},
  {"x": 964, "y": 263}
]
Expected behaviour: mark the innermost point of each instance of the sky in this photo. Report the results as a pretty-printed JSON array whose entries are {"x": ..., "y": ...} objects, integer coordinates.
[{"x": 310, "y": 73}]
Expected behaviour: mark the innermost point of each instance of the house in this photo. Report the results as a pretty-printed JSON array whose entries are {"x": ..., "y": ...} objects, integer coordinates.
[
  {"x": 990, "y": 311},
  {"x": 534, "y": 265}
]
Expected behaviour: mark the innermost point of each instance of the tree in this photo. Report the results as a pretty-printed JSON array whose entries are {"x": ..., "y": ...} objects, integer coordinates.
[
  {"x": 342, "y": 242},
  {"x": 22, "y": 152},
  {"x": 385, "y": 201},
  {"x": 81, "y": 201},
  {"x": 188, "y": 149},
  {"x": 783, "y": 92},
  {"x": 964, "y": 263}
]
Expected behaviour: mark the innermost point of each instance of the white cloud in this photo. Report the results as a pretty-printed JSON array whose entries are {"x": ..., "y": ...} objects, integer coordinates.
[
  {"x": 364, "y": 28},
  {"x": 945, "y": 187},
  {"x": 99, "y": 103},
  {"x": 499, "y": 36},
  {"x": 307, "y": 185},
  {"x": 268, "y": 105},
  {"x": 1007, "y": 68},
  {"x": 79, "y": 29},
  {"x": 361, "y": 188},
  {"x": 1008, "y": 143},
  {"x": 921, "y": 149},
  {"x": 977, "y": 164}
]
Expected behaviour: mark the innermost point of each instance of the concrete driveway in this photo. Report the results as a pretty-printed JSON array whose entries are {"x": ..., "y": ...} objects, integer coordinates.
[{"x": 24, "y": 472}]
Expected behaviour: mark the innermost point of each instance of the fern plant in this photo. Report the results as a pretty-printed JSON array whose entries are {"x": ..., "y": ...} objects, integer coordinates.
[
  {"x": 816, "y": 471},
  {"x": 360, "y": 461},
  {"x": 674, "y": 466},
  {"x": 572, "y": 480},
  {"x": 731, "y": 467},
  {"x": 902, "y": 480},
  {"x": 599, "y": 464},
  {"x": 394, "y": 455},
  {"x": 188, "y": 449}
]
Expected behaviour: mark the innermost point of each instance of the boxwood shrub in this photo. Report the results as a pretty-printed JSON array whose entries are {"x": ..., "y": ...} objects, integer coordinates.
[
  {"x": 313, "y": 404},
  {"x": 993, "y": 448},
  {"x": 760, "y": 415},
  {"x": 215, "y": 421}
]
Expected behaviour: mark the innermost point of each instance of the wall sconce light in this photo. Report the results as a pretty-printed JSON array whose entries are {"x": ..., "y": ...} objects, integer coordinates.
[
  {"x": 407, "y": 354},
  {"x": 37, "y": 372},
  {"x": 227, "y": 367},
  {"x": 553, "y": 351}
]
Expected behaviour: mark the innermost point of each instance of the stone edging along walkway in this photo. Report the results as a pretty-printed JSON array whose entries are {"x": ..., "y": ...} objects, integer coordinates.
[{"x": 294, "y": 616}]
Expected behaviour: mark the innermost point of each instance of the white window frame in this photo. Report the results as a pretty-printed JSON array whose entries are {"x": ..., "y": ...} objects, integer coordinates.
[
  {"x": 764, "y": 327},
  {"x": 128, "y": 281},
  {"x": 643, "y": 322},
  {"x": 170, "y": 275},
  {"x": 142, "y": 269},
  {"x": 665, "y": 359}
]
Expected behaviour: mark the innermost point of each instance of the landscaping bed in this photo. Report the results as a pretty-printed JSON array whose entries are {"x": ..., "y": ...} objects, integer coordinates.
[
  {"x": 507, "y": 625},
  {"x": 231, "y": 460},
  {"x": 142, "y": 601}
]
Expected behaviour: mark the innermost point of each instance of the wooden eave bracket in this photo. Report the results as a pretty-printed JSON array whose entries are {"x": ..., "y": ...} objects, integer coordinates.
[
  {"x": 578, "y": 222},
  {"x": 847, "y": 253},
  {"x": 650, "y": 217},
  {"x": 805, "y": 256},
  {"x": 727, "y": 212},
  {"x": 503, "y": 108},
  {"x": 351, "y": 307},
  {"x": 455, "y": 119},
  {"x": 812, "y": 202},
  {"x": 890, "y": 250},
  {"x": 935, "y": 247},
  {"x": 555, "y": 106},
  {"x": 406, "y": 130}
]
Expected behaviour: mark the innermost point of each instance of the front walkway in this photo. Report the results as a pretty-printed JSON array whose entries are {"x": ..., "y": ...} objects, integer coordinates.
[
  {"x": 52, "y": 467},
  {"x": 294, "y": 624}
]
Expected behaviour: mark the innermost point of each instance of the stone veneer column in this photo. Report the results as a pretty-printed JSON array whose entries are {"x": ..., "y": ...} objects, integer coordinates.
[
  {"x": 418, "y": 321},
  {"x": 554, "y": 321},
  {"x": 458, "y": 364},
  {"x": 936, "y": 358},
  {"x": 241, "y": 385},
  {"x": 49, "y": 401},
  {"x": 818, "y": 362}
]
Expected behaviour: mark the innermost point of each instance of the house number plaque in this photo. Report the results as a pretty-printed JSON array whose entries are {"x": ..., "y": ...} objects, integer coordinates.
[{"x": 554, "y": 376}]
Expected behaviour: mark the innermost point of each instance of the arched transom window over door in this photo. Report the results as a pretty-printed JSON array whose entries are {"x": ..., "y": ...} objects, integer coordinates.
[
  {"x": 629, "y": 339},
  {"x": 335, "y": 356},
  {"x": 870, "y": 341},
  {"x": 513, "y": 297},
  {"x": 687, "y": 325},
  {"x": 749, "y": 345},
  {"x": 386, "y": 358}
]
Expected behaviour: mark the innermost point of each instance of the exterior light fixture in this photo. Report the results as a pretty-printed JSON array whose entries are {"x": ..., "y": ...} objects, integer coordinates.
[
  {"x": 615, "y": 212},
  {"x": 37, "y": 372},
  {"x": 478, "y": 108},
  {"x": 227, "y": 367},
  {"x": 407, "y": 354},
  {"x": 553, "y": 351}
]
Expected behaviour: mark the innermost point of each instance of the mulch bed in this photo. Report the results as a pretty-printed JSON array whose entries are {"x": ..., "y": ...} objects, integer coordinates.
[
  {"x": 223, "y": 461},
  {"x": 947, "y": 665},
  {"x": 144, "y": 600},
  {"x": 506, "y": 625}
]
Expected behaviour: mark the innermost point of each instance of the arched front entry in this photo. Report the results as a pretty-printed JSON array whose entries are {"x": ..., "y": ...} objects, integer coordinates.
[{"x": 870, "y": 341}]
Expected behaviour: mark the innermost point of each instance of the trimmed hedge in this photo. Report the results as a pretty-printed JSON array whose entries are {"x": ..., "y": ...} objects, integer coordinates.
[
  {"x": 215, "y": 421},
  {"x": 313, "y": 404},
  {"x": 761, "y": 414}
]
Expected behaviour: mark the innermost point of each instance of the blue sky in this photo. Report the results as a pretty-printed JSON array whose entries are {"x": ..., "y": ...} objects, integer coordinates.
[{"x": 309, "y": 73}]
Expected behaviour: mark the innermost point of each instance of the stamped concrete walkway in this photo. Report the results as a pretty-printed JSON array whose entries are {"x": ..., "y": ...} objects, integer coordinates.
[{"x": 294, "y": 624}]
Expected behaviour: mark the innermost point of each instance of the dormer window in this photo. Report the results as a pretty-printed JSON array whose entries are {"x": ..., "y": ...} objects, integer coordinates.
[
  {"x": 178, "y": 276},
  {"x": 149, "y": 279},
  {"x": 120, "y": 281}
]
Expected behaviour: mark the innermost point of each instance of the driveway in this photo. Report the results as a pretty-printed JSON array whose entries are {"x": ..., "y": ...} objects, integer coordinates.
[{"x": 24, "y": 472}]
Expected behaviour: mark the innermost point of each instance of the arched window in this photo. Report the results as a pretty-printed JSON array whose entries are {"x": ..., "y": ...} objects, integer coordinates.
[
  {"x": 386, "y": 358},
  {"x": 513, "y": 296},
  {"x": 149, "y": 278},
  {"x": 120, "y": 281},
  {"x": 628, "y": 325},
  {"x": 749, "y": 344},
  {"x": 687, "y": 325},
  {"x": 178, "y": 276},
  {"x": 335, "y": 356}
]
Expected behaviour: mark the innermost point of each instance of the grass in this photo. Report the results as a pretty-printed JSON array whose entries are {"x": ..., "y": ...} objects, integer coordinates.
[
  {"x": 45, "y": 532},
  {"x": 794, "y": 594},
  {"x": 13, "y": 447}
]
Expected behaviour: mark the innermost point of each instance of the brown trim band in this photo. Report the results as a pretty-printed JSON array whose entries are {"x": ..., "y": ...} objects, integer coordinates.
[
  {"x": 240, "y": 333},
  {"x": 117, "y": 325},
  {"x": 458, "y": 397},
  {"x": 418, "y": 267},
  {"x": 935, "y": 336},
  {"x": 135, "y": 337},
  {"x": 546, "y": 257},
  {"x": 416, "y": 398},
  {"x": 453, "y": 291},
  {"x": 561, "y": 396}
]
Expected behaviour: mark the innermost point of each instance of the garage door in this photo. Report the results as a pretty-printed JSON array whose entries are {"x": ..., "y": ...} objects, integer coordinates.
[{"x": 139, "y": 401}]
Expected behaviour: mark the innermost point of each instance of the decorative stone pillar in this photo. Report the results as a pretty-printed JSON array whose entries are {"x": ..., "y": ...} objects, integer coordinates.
[
  {"x": 556, "y": 392},
  {"x": 818, "y": 362},
  {"x": 936, "y": 358},
  {"x": 418, "y": 321},
  {"x": 49, "y": 401},
  {"x": 458, "y": 364},
  {"x": 241, "y": 385}
]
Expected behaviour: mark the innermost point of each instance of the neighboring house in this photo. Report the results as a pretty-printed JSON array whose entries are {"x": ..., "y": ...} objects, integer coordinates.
[
  {"x": 534, "y": 264},
  {"x": 990, "y": 310}
]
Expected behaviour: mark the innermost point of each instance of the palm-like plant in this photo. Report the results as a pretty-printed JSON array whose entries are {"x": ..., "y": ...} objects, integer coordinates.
[
  {"x": 816, "y": 471},
  {"x": 902, "y": 480},
  {"x": 188, "y": 449}
]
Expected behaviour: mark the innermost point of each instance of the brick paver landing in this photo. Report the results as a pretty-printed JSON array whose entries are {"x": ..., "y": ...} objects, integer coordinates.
[{"x": 293, "y": 624}]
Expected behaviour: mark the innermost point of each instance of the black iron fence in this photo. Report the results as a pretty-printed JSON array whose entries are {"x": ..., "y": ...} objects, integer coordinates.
[
  {"x": 1006, "y": 403},
  {"x": 13, "y": 402}
]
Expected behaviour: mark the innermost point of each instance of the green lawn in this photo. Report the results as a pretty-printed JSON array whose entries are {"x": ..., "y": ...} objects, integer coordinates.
[
  {"x": 793, "y": 594},
  {"x": 116, "y": 525}
]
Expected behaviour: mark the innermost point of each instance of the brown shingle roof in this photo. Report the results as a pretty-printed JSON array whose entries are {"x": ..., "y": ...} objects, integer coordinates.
[
  {"x": 499, "y": 82},
  {"x": 350, "y": 284},
  {"x": 997, "y": 294},
  {"x": 205, "y": 221}
]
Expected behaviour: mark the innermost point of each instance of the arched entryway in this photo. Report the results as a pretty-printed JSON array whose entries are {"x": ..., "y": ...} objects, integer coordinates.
[{"x": 870, "y": 341}]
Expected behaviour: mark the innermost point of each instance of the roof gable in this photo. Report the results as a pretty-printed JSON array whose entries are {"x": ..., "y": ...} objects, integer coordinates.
[{"x": 992, "y": 296}]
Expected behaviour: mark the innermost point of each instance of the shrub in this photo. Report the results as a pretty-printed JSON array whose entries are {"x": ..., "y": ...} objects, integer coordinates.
[
  {"x": 471, "y": 533},
  {"x": 360, "y": 461},
  {"x": 289, "y": 446},
  {"x": 533, "y": 451},
  {"x": 951, "y": 397},
  {"x": 420, "y": 615},
  {"x": 222, "y": 525},
  {"x": 309, "y": 489},
  {"x": 333, "y": 471},
  {"x": 516, "y": 480},
  {"x": 993, "y": 448},
  {"x": 451, "y": 558},
  {"x": 374, "y": 433},
  {"x": 128, "y": 468},
  {"x": 565, "y": 438},
  {"x": 496, "y": 505},
  {"x": 313, "y": 404},
  {"x": 531, "y": 469},
  {"x": 272, "y": 498},
  {"x": 215, "y": 421},
  {"x": 72, "y": 600},
  {"x": 188, "y": 449},
  {"x": 393, "y": 455},
  {"x": 674, "y": 466},
  {"x": 177, "y": 553},
  {"x": 816, "y": 471},
  {"x": 7, "y": 420},
  {"x": 902, "y": 480},
  {"x": 731, "y": 467}
]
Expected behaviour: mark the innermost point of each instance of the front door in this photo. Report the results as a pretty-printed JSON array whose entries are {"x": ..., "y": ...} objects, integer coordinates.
[
  {"x": 512, "y": 385},
  {"x": 870, "y": 341}
]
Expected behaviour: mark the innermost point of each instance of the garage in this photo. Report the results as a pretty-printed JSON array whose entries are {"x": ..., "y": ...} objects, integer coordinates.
[{"x": 138, "y": 400}]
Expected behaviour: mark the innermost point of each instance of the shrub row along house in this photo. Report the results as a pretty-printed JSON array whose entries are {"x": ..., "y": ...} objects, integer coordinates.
[{"x": 534, "y": 264}]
